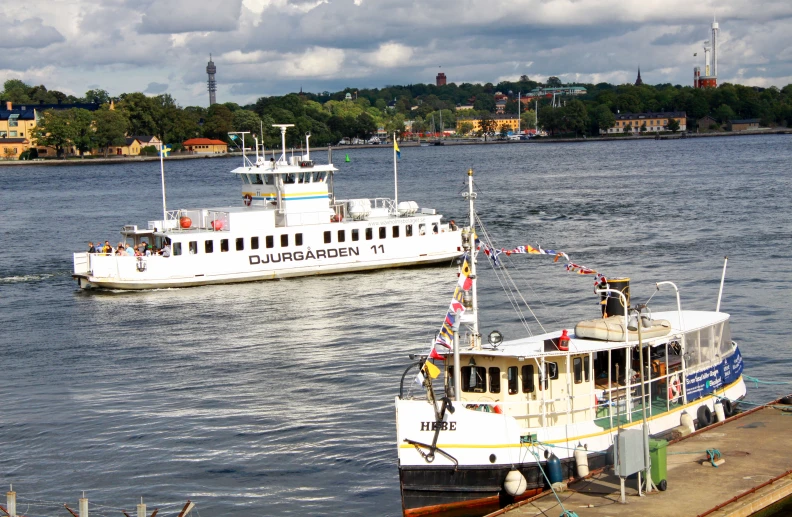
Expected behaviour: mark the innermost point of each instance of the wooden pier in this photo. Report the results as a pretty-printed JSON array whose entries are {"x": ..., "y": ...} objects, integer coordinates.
[{"x": 756, "y": 473}]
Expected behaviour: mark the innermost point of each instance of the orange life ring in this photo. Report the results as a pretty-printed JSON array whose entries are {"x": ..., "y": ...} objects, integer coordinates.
[
  {"x": 674, "y": 388},
  {"x": 247, "y": 198}
]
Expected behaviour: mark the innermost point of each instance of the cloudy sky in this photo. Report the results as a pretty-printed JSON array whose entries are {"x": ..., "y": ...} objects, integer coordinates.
[{"x": 272, "y": 47}]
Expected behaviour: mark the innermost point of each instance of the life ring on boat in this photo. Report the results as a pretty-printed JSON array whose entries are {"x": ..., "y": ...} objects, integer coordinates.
[
  {"x": 674, "y": 387},
  {"x": 247, "y": 199},
  {"x": 704, "y": 417}
]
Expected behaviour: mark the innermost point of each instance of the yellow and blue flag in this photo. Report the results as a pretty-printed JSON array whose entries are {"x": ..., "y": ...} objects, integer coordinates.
[
  {"x": 396, "y": 148},
  {"x": 165, "y": 150}
]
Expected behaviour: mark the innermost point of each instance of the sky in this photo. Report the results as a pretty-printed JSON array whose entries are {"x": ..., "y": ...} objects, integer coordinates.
[{"x": 273, "y": 47}]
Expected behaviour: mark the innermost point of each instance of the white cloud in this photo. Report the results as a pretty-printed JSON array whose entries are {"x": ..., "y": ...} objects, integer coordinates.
[
  {"x": 177, "y": 16},
  {"x": 30, "y": 33},
  {"x": 389, "y": 55},
  {"x": 314, "y": 62}
]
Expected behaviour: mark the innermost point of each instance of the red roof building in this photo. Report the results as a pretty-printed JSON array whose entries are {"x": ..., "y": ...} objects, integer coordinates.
[{"x": 205, "y": 146}]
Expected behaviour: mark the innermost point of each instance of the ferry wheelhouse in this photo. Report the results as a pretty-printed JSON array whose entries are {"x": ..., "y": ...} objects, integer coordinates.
[
  {"x": 473, "y": 439},
  {"x": 289, "y": 223}
]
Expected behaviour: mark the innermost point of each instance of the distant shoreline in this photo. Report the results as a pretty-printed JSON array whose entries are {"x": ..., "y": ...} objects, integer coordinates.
[{"x": 447, "y": 141}]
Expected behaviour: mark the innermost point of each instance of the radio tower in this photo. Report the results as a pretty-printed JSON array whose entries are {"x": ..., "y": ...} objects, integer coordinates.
[{"x": 211, "y": 70}]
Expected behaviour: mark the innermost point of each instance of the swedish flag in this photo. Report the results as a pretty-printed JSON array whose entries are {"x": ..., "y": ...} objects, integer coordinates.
[{"x": 396, "y": 148}]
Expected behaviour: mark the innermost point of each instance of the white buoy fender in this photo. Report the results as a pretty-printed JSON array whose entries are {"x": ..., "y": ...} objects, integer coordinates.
[
  {"x": 581, "y": 460},
  {"x": 719, "y": 411},
  {"x": 515, "y": 483},
  {"x": 687, "y": 421}
]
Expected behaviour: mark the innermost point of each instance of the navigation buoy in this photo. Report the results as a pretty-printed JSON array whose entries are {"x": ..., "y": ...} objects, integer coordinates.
[{"x": 347, "y": 158}]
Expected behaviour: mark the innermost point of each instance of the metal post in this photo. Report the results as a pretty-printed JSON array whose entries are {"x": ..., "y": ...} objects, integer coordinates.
[
  {"x": 141, "y": 509},
  {"x": 11, "y": 502},
  {"x": 647, "y": 459},
  {"x": 457, "y": 366},
  {"x": 162, "y": 174},
  {"x": 472, "y": 259},
  {"x": 395, "y": 174},
  {"x": 723, "y": 278},
  {"x": 83, "y": 506}
]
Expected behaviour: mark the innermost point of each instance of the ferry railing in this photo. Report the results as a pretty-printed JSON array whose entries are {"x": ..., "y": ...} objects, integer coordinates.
[
  {"x": 216, "y": 220},
  {"x": 384, "y": 202}
]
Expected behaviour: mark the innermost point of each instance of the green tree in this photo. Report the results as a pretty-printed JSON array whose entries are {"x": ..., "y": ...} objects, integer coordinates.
[
  {"x": 111, "y": 127},
  {"x": 246, "y": 120},
  {"x": 141, "y": 111},
  {"x": 54, "y": 130},
  {"x": 628, "y": 128},
  {"x": 16, "y": 91},
  {"x": 465, "y": 127},
  {"x": 504, "y": 131},
  {"x": 554, "y": 82},
  {"x": 604, "y": 118},
  {"x": 642, "y": 129},
  {"x": 528, "y": 119},
  {"x": 487, "y": 125},
  {"x": 83, "y": 136},
  {"x": 219, "y": 122},
  {"x": 673, "y": 125},
  {"x": 574, "y": 116},
  {"x": 550, "y": 119},
  {"x": 97, "y": 96}
]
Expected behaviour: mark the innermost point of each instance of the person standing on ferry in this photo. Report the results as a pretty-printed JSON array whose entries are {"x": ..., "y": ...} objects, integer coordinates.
[
  {"x": 166, "y": 251},
  {"x": 91, "y": 248}
]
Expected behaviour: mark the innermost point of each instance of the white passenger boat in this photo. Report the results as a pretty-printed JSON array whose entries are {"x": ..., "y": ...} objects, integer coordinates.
[
  {"x": 289, "y": 223},
  {"x": 473, "y": 438}
]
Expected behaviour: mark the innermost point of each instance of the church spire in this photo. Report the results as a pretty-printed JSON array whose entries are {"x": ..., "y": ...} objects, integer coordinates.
[{"x": 638, "y": 81}]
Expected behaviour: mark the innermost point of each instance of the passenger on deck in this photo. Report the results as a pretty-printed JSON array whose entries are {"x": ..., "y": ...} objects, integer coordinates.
[
  {"x": 138, "y": 253},
  {"x": 130, "y": 250},
  {"x": 452, "y": 225},
  {"x": 91, "y": 248},
  {"x": 166, "y": 251},
  {"x": 120, "y": 250},
  {"x": 107, "y": 249}
]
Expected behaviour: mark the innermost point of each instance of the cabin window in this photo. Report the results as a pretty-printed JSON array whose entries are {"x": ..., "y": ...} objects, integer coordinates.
[
  {"x": 255, "y": 179},
  {"x": 269, "y": 241},
  {"x": 288, "y": 178},
  {"x": 327, "y": 237},
  {"x": 318, "y": 177},
  {"x": 435, "y": 228},
  {"x": 511, "y": 375},
  {"x": 474, "y": 379},
  {"x": 301, "y": 177},
  {"x": 528, "y": 378},
  {"x": 240, "y": 243},
  {"x": 341, "y": 235},
  {"x": 408, "y": 230},
  {"x": 577, "y": 369},
  {"x": 208, "y": 246},
  {"x": 725, "y": 338},
  {"x": 422, "y": 229},
  {"x": 254, "y": 243},
  {"x": 369, "y": 234},
  {"x": 494, "y": 379},
  {"x": 193, "y": 247},
  {"x": 355, "y": 234},
  {"x": 586, "y": 368},
  {"x": 284, "y": 241},
  {"x": 223, "y": 245},
  {"x": 177, "y": 248},
  {"x": 269, "y": 179},
  {"x": 395, "y": 232},
  {"x": 245, "y": 179},
  {"x": 383, "y": 232},
  {"x": 551, "y": 372},
  {"x": 298, "y": 239}
]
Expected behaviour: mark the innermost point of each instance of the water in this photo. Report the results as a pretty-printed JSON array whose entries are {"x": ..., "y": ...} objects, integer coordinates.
[{"x": 276, "y": 398}]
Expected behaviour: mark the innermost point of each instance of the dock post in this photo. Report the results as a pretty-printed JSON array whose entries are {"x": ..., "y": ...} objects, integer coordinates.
[
  {"x": 83, "y": 506},
  {"x": 141, "y": 509},
  {"x": 11, "y": 502}
]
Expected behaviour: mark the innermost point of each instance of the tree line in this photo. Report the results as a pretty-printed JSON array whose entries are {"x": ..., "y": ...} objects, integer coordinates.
[{"x": 329, "y": 117}]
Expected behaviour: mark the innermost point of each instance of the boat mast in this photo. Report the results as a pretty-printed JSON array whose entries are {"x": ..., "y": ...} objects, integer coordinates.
[{"x": 472, "y": 260}]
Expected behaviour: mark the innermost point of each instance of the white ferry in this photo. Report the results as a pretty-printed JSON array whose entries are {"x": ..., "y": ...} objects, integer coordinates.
[
  {"x": 289, "y": 224},
  {"x": 499, "y": 416}
]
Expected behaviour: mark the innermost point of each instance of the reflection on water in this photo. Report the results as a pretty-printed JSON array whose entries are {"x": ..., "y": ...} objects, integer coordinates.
[{"x": 277, "y": 397}]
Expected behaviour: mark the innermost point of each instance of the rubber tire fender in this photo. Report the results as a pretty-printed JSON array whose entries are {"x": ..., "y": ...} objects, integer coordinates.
[
  {"x": 704, "y": 417},
  {"x": 728, "y": 407}
]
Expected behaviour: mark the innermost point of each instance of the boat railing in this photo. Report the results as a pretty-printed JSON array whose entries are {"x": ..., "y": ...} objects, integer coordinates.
[
  {"x": 199, "y": 219},
  {"x": 384, "y": 202}
]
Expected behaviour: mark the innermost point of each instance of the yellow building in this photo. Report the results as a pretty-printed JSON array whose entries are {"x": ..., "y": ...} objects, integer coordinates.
[
  {"x": 653, "y": 122},
  {"x": 131, "y": 147},
  {"x": 17, "y": 122},
  {"x": 205, "y": 146},
  {"x": 11, "y": 148},
  {"x": 510, "y": 122}
]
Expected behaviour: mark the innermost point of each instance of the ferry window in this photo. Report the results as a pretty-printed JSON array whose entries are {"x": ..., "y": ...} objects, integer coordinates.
[
  {"x": 245, "y": 179},
  {"x": 193, "y": 247},
  {"x": 435, "y": 228},
  {"x": 269, "y": 179},
  {"x": 528, "y": 378},
  {"x": 269, "y": 241},
  {"x": 223, "y": 245},
  {"x": 255, "y": 179},
  {"x": 395, "y": 232},
  {"x": 382, "y": 232},
  {"x": 577, "y": 369},
  {"x": 288, "y": 178},
  {"x": 422, "y": 229},
  {"x": 341, "y": 235},
  {"x": 240, "y": 243},
  {"x": 494, "y": 379},
  {"x": 355, "y": 234},
  {"x": 511, "y": 374},
  {"x": 208, "y": 246},
  {"x": 327, "y": 237},
  {"x": 408, "y": 230},
  {"x": 254, "y": 243},
  {"x": 369, "y": 234},
  {"x": 552, "y": 370},
  {"x": 474, "y": 378},
  {"x": 177, "y": 248},
  {"x": 319, "y": 177},
  {"x": 586, "y": 368},
  {"x": 284, "y": 241},
  {"x": 298, "y": 239}
]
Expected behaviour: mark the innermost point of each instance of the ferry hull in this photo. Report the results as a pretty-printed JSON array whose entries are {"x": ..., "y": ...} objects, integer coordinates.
[{"x": 88, "y": 281}]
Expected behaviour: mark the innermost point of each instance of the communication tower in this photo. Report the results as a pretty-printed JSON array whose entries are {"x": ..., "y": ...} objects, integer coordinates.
[
  {"x": 211, "y": 70},
  {"x": 710, "y": 77}
]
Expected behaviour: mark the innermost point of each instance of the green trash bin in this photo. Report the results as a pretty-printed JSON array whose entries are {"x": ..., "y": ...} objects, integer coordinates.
[{"x": 659, "y": 470}]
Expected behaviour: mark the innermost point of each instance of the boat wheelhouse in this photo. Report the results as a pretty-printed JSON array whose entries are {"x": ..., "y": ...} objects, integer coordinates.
[
  {"x": 289, "y": 223},
  {"x": 496, "y": 411}
]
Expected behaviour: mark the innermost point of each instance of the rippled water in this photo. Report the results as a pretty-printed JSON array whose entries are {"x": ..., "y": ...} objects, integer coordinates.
[{"x": 276, "y": 398}]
